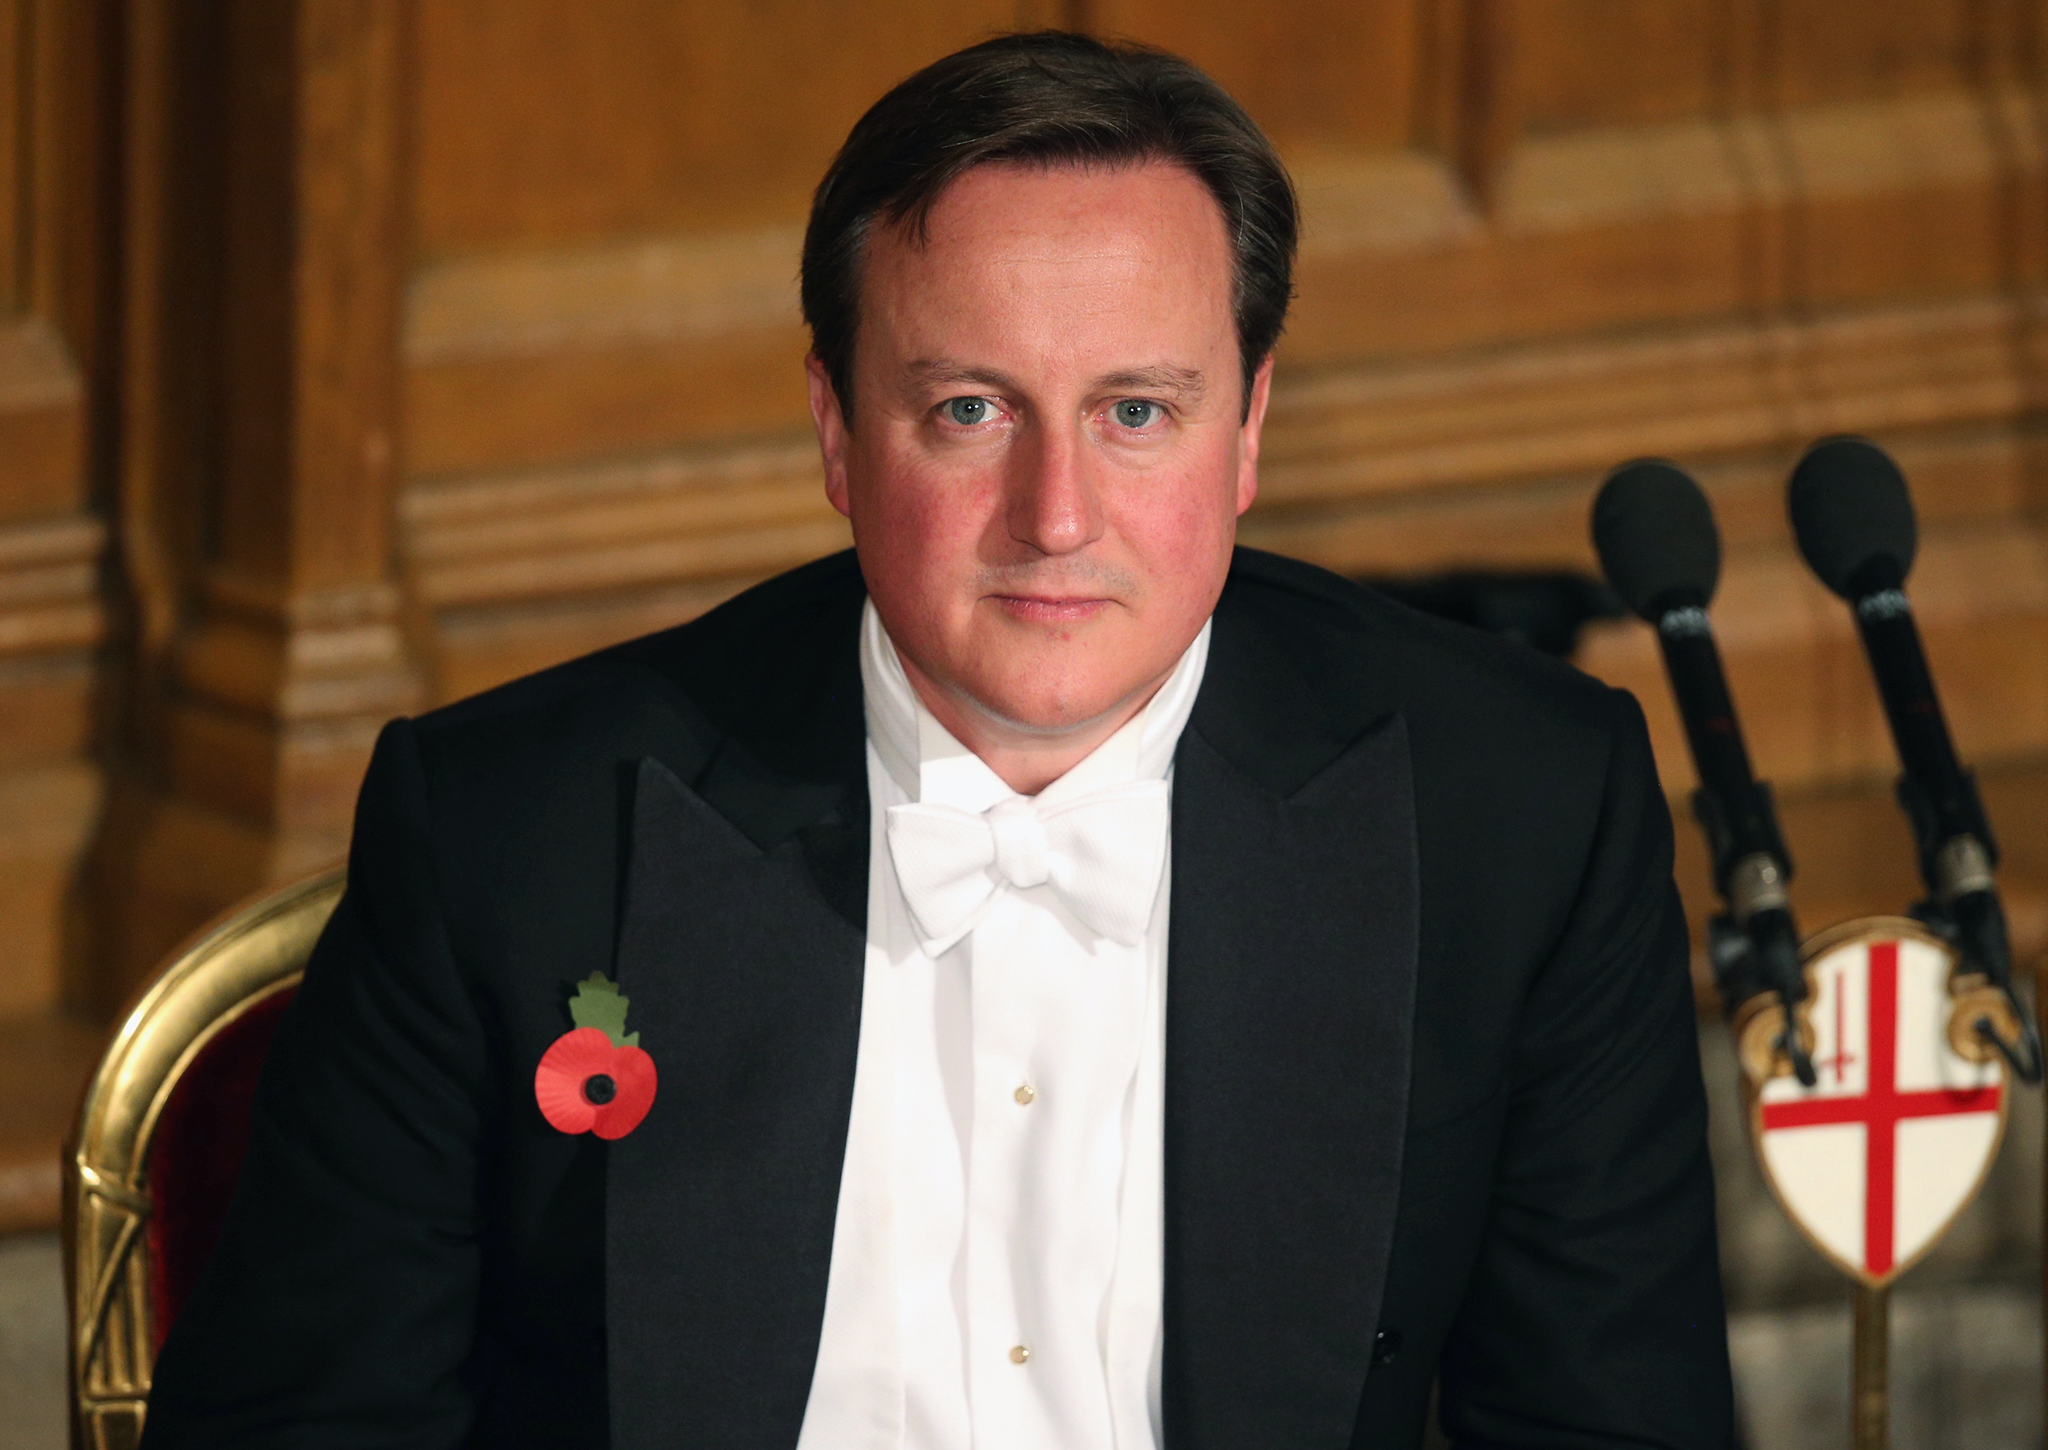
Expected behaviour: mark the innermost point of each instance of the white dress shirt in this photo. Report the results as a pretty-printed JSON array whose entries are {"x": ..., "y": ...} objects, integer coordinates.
[{"x": 997, "y": 1256}]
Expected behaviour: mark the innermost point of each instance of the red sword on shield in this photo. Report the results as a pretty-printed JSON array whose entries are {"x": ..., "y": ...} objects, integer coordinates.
[{"x": 1880, "y": 1107}]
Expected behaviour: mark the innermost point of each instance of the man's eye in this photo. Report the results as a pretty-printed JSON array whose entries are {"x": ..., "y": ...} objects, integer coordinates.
[
  {"x": 969, "y": 411},
  {"x": 1137, "y": 412}
]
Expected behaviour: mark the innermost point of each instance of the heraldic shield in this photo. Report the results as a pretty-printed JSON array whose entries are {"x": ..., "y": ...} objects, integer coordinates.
[{"x": 1874, "y": 1162}]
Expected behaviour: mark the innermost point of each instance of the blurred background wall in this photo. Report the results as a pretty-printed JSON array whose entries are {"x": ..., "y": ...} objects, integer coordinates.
[{"x": 356, "y": 355}]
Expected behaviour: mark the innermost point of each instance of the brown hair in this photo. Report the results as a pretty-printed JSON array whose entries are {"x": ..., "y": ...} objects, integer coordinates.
[{"x": 1053, "y": 98}]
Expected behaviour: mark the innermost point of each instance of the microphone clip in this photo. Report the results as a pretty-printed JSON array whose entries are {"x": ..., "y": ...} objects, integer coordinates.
[
  {"x": 1988, "y": 1015},
  {"x": 1764, "y": 992},
  {"x": 1753, "y": 944},
  {"x": 1958, "y": 859}
]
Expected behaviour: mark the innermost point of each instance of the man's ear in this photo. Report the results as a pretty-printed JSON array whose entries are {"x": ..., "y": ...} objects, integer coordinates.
[
  {"x": 830, "y": 421},
  {"x": 1249, "y": 432}
]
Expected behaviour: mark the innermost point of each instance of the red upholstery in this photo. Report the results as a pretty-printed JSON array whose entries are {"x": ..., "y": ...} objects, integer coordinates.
[{"x": 197, "y": 1151}]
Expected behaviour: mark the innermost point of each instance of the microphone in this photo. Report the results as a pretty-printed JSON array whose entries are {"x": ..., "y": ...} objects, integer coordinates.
[
  {"x": 1854, "y": 520},
  {"x": 1655, "y": 534}
]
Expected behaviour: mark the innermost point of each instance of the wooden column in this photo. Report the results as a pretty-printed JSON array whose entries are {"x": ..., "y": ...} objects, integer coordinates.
[
  {"x": 54, "y": 229},
  {"x": 1466, "y": 109},
  {"x": 265, "y": 272},
  {"x": 51, "y": 620}
]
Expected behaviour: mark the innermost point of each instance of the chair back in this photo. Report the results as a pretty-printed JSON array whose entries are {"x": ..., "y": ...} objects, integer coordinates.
[{"x": 159, "y": 1139}]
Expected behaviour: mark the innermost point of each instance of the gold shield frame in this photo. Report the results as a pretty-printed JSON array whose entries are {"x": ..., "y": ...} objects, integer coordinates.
[{"x": 1848, "y": 933}]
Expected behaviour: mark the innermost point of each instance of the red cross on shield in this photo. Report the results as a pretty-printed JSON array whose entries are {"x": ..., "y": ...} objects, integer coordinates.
[{"x": 1876, "y": 1160}]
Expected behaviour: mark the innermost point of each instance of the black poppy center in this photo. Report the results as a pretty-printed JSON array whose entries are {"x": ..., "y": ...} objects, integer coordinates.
[{"x": 600, "y": 1089}]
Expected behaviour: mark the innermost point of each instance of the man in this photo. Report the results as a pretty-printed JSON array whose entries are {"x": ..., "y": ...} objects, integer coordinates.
[{"x": 1101, "y": 989}]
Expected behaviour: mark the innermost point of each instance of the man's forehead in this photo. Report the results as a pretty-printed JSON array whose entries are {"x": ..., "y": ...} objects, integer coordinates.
[
  {"x": 1014, "y": 226},
  {"x": 1102, "y": 277},
  {"x": 1055, "y": 204}
]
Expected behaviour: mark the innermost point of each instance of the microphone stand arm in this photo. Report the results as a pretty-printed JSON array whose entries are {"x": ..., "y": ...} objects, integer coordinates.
[
  {"x": 1951, "y": 832},
  {"x": 1754, "y": 943}
]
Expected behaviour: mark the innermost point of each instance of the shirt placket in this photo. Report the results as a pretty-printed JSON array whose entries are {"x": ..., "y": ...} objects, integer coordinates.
[{"x": 998, "y": 1343}]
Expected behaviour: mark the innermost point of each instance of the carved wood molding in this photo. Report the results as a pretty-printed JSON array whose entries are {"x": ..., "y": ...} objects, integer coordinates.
[
  {"x": 42, "y": 434},
  {"x": 743, "y": 510},
  {"x": 1341, "y": 444},
  {"x": 49, "y": 586},
  {"x": 1353, "y": 433}
]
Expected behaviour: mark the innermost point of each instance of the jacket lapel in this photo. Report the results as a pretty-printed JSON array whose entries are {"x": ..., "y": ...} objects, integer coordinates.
[
  {"x": 741, "y": 948},
  {"x": 1290, "y": 1002}
]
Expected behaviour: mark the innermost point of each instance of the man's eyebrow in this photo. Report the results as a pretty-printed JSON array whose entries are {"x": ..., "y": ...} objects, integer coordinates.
[
  {"x": 1188, "y": 382},
  {"x": 940, "y": 372},
  {"x": 1158, "y": 378}
]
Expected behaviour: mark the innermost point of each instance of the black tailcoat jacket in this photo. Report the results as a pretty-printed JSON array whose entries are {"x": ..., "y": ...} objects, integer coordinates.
[{"x": 1433, "y": 1102}]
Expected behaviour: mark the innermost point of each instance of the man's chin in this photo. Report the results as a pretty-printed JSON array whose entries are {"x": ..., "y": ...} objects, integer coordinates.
[{"x": 1037, "y": 708}]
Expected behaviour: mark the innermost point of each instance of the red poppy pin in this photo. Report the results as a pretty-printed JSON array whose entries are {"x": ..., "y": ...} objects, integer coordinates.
[{"x": 595, "y": 1079}]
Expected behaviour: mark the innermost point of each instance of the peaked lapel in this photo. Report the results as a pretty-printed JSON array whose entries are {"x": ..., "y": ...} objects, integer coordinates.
[
  {"x": 1290, "y": 1003},
  {"x": 741, "y": 947}
]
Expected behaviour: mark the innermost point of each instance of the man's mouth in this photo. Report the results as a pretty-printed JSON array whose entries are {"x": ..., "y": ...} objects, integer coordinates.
[{"x": 1052, "y": 608}]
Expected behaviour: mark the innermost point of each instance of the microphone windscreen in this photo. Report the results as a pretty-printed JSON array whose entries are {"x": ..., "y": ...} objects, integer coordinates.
[
  {"x": 1655, "y": 534},
  {"x": 1853, "y": 516}
]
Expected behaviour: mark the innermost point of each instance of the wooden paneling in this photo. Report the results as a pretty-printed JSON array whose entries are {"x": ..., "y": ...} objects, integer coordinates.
[
  {"x": 260, "y": 471},
  {"x": 546, "y": 122},
  {"x": 43, "y": 1065},
  {"x": 1899, "y": 199},
  {"x": 1823, "y": 51},
  {"x": 42, "y": 435},
  {"x": 1590, "y": 63},
  {"x": 522, "y": 569},
  {"x": 518, "y": 360},
  {"x": 53, "y": 616},
  {"x": 1355, "y": 434},
  {"x": 1315, "y": 72},
  {"x": 16, "y": 104},
  {"x": 53, "y": 610},
  {"x": 514, "y": 360}
]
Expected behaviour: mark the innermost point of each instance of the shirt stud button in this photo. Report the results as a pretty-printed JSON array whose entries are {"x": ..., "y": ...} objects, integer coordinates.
[
  {"x": 1019, "y": 1353},
  {"x": 1024, "y": 1095}
]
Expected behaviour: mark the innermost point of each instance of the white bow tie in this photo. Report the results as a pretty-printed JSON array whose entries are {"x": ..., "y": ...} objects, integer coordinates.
[{"x": 1102, "y": 853}]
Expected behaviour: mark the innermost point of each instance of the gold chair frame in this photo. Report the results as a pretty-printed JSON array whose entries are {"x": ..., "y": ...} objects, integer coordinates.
[{"x": 253, "y": 953}]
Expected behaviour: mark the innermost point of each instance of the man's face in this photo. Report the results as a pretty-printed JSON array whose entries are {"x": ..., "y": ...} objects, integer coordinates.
[{"x": 1048, "y": 451}]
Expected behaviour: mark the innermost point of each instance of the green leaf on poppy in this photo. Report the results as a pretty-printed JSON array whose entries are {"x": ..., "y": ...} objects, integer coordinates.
[{"x": 598, "y": 1004}]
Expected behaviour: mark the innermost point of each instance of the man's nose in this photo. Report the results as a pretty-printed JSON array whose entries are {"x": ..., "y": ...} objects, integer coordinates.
[{"x": 1055, "y": 502}]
